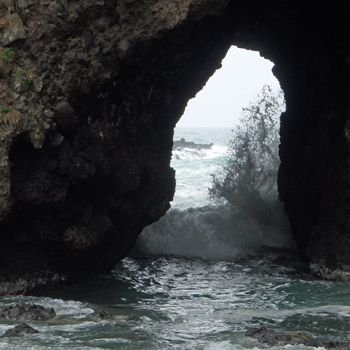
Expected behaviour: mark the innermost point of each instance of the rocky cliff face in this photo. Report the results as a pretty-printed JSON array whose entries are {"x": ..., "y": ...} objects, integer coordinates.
[{"x": 90, "y": 92}]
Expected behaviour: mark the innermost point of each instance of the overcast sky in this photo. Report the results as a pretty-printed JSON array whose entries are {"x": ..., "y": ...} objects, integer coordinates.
[{"x": 219, "y": 104}]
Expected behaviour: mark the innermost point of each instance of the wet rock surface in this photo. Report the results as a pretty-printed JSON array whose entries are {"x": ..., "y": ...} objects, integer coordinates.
[
  {"x": 40, "y": 314},
  {"x": 274, "y": 338},
  {"x": 43, "y": 315},
  {"x": 20, "y": 330},
  {"x": 26, "y": 312},
  {"x": 182, "y": 143},
  {"x": 99, "y": 315}
]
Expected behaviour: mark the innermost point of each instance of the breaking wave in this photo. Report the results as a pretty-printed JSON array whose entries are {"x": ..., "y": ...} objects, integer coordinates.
[
  {"x": 247, "y": 215},
  {"x": 201, "y": 153},
  {"x": 216, "y": 232}
]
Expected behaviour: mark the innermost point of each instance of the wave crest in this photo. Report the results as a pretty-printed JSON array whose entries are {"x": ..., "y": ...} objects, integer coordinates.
[{"x": 215, "y": 232}]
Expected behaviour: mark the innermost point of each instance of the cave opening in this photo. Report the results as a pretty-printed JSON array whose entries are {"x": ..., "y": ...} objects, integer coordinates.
[
  {"x": 204, "y": 224},
  {"x": 211, "y": 116}
]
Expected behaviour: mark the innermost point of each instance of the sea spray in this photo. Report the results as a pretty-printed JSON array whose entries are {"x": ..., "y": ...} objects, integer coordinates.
[
  {"x": 253, "y": 160},
  {"x": 190, "y": 153},
  {"x": 193, "y": 180},
  {"x": 215, "y": 232},
  {"x": 248, "y": 214}
]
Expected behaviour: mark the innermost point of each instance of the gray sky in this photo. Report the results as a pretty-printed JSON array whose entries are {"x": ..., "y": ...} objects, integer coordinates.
[{"x": 219, "y": 104}]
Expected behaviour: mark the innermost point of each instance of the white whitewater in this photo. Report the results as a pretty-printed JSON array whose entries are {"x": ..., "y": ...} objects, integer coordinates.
[{"x": 196, "y": 227}]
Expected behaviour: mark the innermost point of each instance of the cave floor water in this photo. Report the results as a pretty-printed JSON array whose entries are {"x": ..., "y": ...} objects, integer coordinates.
[
  {"x": 226, "y": 284},
  {"x": 172, "y": 303}
]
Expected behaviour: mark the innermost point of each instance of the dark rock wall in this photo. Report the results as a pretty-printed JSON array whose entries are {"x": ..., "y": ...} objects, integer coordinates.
[
  {"x": 86, "y": 142},
  {"x": 86, "y": 158},
  {"x": 313, "y": 178}
]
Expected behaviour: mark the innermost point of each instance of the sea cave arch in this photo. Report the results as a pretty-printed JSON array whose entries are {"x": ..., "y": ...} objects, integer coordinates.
[
  {"x": 110, "y": 85},
  {"x": 314, "y": 142}
]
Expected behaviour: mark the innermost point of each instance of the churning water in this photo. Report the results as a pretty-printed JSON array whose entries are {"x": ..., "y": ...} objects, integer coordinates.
[
  {"x": 197, "y": 279},
  {"x": 197, "y": 228}
]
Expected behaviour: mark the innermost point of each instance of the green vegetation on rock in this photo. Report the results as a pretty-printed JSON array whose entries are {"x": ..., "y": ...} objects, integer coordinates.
[
  {"x": 7, "y": 55},
  {"x": 5, "y": 109}
]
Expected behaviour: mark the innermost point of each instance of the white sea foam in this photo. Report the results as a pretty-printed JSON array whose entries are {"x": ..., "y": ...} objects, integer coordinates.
[
  {"x": 202, "y": 153},
  {"x": 224, "y": 345},
  {"x": 197, "y": 228},
  {"x": 215, "y": 233},
  {"x": 188, "y": 153},
  {"x": 71, "y": 308}
]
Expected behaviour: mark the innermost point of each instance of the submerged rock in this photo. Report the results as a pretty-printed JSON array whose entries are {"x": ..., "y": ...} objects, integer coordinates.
[
  {"x": 335, "y": 345},
  {"x": 19, "y": 330},
  {"x": 103, "y": 315},
  {"x": 23, "y": 311},
  {"x": 271, "y": 338},
  {"x": 99, "y": 315}
]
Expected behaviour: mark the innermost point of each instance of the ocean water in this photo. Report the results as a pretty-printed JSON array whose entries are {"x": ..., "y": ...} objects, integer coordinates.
[
  {"x": 194, "y": 167},
  {"x": 197, "y": 280}
]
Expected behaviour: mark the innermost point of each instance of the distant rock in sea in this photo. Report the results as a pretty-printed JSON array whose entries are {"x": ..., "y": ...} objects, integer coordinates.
[{"x": 182, "y": 143}]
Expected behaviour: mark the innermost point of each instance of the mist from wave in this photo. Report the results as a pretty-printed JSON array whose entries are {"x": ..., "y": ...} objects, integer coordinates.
[
  {"x": 215, "y": 233},
  {"x": 186, "y": 153},
  {"x": 196, "y": 227}
]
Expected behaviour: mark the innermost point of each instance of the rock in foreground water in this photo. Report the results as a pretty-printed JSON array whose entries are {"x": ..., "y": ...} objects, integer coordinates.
[
  {"x": 23, "y": 311},
  {"x": 19, "y": 330},
  {"x": 271, "y": 338}
]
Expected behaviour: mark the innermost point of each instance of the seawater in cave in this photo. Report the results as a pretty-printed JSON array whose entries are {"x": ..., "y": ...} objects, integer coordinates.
[
  {"x": 194, "y": 227},
  {"x": 206, "y": 278}
]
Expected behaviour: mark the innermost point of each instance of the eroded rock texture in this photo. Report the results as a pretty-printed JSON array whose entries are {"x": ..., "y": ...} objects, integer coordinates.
[{"x": 89, "y": 102}]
